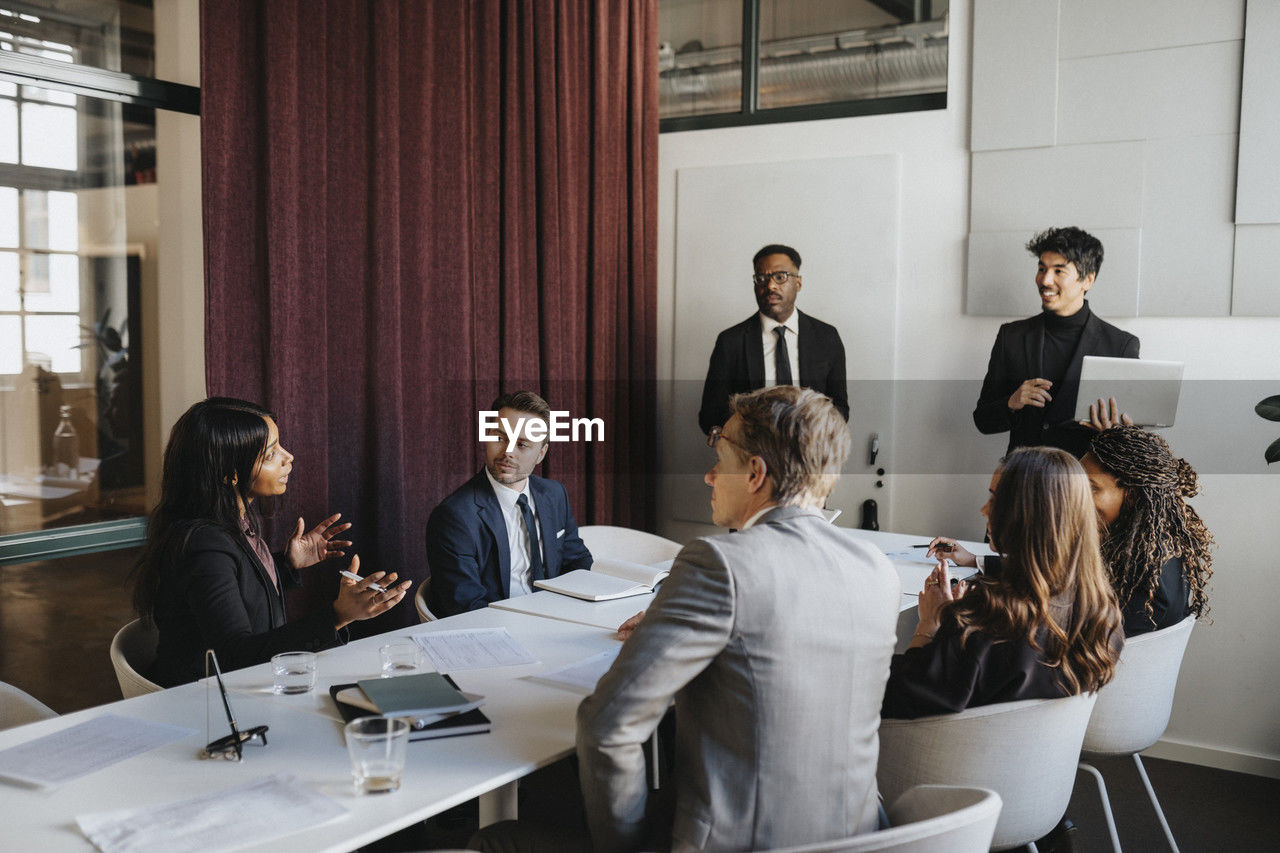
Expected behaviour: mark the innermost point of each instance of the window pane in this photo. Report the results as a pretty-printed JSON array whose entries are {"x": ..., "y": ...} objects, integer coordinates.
[
  {"x": 9, "y": 282},
  {"x": 53, "y": 283},
  {"x": 64, "y": 228},
  {"x": 8, "y": 216},
  {"x": 113, "y": 34},
  {"x": 53, "y": 342},
  {"x": 10, "y": 345},
  {"x": 699, "y": 57},
  {"x": 8, "y": 131},
  {"x": 49, "y": 136},
  {"x": 818, "y": 52},
  {"x": 52, "y": 96},
  {"x": 7, "y": 88}
]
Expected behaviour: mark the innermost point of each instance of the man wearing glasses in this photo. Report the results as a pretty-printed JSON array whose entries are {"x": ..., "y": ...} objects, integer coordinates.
[
  {"x": 776, "y": 346},
  {"x": 774, "y": 642}
]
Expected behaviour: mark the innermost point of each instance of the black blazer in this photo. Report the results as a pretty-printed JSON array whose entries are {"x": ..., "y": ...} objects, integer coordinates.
[
  {"x": 218, "y": 595},
  {"x": 737, "y": 365},
  {"x": 467, "y": 544},
  {"x": 1016, "y": 357},
  {"x": 944, "y": 677}
]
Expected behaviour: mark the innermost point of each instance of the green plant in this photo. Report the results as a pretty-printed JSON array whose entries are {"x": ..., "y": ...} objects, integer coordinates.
[{"x": 1270, "y": 409}]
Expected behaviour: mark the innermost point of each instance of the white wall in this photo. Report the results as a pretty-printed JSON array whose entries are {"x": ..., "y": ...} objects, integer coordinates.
[{"x": 1227, "y": 711}]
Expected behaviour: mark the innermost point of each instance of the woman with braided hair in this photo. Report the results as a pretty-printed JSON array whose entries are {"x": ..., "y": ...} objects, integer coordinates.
[{"x": 1155, "y": 545}]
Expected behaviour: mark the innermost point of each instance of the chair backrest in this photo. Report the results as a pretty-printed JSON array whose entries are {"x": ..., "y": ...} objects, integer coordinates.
[
  {"x": 133, "y": 650},
  {"x": 18, "y": 707},
  {"x": 420, "y": 601},
  {"x": 926, "y": 819},
  {"x": 1133, "y": 709},
  {"x": 623, "y": 543},
  {"x": 1025, "y": 751}
]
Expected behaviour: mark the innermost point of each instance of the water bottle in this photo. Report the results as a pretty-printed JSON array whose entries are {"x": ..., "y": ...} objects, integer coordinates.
[{"x": 66, "y": 446}]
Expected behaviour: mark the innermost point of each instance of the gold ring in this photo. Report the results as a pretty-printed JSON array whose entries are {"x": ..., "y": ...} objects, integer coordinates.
[{"x": 931, "y": 582}]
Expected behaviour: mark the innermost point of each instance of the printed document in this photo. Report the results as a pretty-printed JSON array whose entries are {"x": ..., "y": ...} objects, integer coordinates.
[
  {"x": 473, "y": 648},
  {"x": 80, "y": 750}
]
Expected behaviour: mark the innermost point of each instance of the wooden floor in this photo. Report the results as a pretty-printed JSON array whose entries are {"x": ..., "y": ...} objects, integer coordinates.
[{"x": 57, "y": 619}]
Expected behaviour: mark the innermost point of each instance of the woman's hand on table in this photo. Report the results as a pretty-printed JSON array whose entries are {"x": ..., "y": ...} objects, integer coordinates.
[
  {"x": 307, "y": 549},
  {"x": 357, "y": 600}
]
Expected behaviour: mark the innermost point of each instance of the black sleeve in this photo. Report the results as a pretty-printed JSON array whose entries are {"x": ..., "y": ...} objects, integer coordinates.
[
  {"x": 992, "y": 414},
  {"x": 456, "y": 585},
  {"x": 937, "y": 678},
  {"x": 214, "y": 597},
  {"x": 717, "y": 388},
  {"x": 1131, "y": 347},
  {"x": 1169, "y": 602},
  {"x": 837, "y": 381}
]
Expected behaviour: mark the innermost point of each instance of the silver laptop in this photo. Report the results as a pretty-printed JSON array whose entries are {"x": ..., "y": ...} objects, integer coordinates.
[{"x": 1146, "y": 391}]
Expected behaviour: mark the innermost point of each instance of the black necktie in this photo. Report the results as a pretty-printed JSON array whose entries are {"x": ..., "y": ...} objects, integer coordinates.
[
  {"x": 780, "y": 356},
  {"x": 535, "y": 553}
]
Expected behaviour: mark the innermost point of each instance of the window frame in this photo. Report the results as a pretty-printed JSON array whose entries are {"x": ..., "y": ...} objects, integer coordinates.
[
  {"x": 112, "y": 86},
  {"x": 750, "y": 112}
]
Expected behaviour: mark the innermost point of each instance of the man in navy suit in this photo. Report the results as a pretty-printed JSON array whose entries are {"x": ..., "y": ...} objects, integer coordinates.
[
  {"x": 504, "y": 528},
  {"x": 776, "y": 346}
]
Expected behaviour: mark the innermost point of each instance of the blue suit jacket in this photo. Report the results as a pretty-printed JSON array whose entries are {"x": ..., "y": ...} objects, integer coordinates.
[{"x": 467, "y": 544}]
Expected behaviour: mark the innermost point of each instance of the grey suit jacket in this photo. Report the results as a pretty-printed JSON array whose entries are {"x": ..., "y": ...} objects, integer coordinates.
[{"x": 775, "y": 642}]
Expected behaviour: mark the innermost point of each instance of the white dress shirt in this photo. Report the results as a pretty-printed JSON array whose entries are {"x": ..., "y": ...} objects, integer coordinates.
[
  {"x": 770, "y": 341},
  {"x": 517, "y": 536}
]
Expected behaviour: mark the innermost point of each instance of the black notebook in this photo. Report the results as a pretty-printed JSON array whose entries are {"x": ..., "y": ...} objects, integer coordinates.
[{"x": 472, "y": 722}]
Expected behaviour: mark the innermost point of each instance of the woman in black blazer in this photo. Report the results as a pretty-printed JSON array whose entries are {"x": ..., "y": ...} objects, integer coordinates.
[
  {"x": 205, "y": 578},
  {"x": 1049, "y": 626}
]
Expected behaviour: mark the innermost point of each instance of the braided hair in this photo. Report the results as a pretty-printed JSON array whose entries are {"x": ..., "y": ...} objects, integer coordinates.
[{"x": 1155, "y": 522}]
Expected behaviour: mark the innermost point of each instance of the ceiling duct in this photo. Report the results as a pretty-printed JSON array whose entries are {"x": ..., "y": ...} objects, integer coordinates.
[{"x": 805, "y": 78}]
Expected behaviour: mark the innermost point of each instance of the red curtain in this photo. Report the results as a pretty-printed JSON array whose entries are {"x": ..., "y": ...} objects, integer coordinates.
[{"x": 410, "y": 206}]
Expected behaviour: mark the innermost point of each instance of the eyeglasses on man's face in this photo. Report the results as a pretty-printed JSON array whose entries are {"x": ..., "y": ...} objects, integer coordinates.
[
  {"x": 717, "y": 433},
  {"x": 779, "y": 277}
]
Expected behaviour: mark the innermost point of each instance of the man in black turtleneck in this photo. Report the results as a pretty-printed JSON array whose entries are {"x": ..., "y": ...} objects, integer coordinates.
[{"x": 1034, "y": 374}]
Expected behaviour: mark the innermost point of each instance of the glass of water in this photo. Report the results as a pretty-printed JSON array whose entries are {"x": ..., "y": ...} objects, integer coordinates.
[
  {"x": 295, "y": 672},
  {"x": 399, "y": 657},
  {"x": 377, "y": 749}
]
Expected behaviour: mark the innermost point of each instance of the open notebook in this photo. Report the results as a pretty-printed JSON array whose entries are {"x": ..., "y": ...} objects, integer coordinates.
[{"x": 608, "y": 579}]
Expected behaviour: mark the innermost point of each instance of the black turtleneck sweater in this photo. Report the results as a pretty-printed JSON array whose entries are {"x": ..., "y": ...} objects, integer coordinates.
[{"x": 1061, "y": 336}]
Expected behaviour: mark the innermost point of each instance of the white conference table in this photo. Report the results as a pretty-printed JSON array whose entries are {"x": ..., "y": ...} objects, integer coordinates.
[{"x": 533, "y": 726}]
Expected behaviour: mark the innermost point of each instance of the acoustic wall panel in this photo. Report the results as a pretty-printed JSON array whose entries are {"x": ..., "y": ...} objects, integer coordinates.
[
  {"x": 1015, "y": 73},
  {"x": 1093, "y": 186},
  {"x": 1002, "y": 273},
  {"x": 1099, "y": 27},
  {"x": 1257, "y": 257},
  {"x": 1258, "y": 178},
  {"x": 1180, "y": 91},
  {"x": 1189, "y": 237}
]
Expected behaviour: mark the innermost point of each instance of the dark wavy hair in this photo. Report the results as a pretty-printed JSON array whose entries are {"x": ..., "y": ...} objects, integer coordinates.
[
  {"x": 1155, "y": 522},
  {"x": 1043, "y": 521},
  {"x": 210, "y": 460}
]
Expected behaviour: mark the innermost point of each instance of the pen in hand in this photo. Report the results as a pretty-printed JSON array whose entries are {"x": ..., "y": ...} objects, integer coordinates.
[
  {"x": 941, "y": 546},
  {"x": 355, "y": 577}
]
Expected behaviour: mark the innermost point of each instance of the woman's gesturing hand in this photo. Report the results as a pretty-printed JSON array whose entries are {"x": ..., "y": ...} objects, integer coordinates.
[
  {"x": 357, "y": 600},
  {"x": 307, "y": 549}
]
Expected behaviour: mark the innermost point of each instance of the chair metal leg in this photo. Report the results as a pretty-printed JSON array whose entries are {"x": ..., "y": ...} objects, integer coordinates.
[
  {"x": 1031, "y": 846},
  {"x": 1106, "y": 804},
  {"x": 1151, "y": 793}
]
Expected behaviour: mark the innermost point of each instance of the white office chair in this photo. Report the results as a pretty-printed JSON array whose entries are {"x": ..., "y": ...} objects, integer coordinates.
[
  {"x": 1133, "y": 709},
  {"x": 926, "y": 819},
  {"x": 420, "y": 602},
  {"x": 133, "y": 650},
  {"x": 1025, "y": 751},
  {"x": 18, "y": 707},
  {"x": 623, "y": 543}
]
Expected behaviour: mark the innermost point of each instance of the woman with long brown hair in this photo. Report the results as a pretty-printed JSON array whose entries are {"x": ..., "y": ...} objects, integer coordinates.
[
  {"x": 1048, "y": 626},
  {"x": 1155, "y": 546}
]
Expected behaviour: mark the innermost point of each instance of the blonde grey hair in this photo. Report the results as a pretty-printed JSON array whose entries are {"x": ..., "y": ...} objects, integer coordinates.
[{"x": 801, "y": 437}]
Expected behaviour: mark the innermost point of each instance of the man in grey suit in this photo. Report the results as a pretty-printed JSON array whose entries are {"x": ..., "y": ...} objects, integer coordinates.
[{"x": 775, "y": 642}]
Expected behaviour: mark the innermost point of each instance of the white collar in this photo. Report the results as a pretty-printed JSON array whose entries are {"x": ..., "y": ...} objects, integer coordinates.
[
  {"x": 768, "y": 324},
  {"x": 759, "y": 514}
]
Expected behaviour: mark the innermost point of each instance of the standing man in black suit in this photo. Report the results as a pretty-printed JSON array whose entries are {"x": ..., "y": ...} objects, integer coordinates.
[
  {"x": 774, "y": 346},
  {"x": 505, "y": 527},
  {"x": 1034, "y": 374}
]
